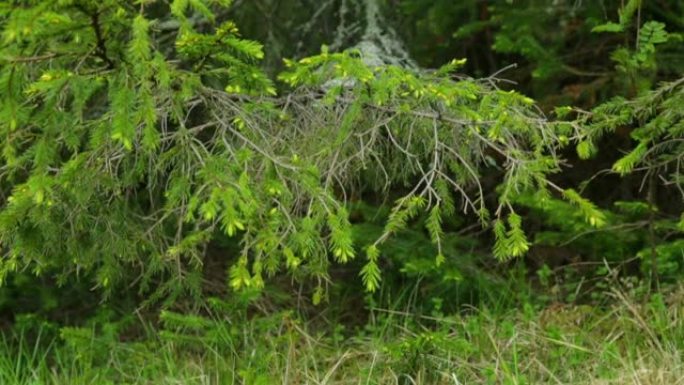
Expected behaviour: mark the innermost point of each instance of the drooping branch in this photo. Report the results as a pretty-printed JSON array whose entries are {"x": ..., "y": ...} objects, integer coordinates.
[{"x": 100, "y": 41}]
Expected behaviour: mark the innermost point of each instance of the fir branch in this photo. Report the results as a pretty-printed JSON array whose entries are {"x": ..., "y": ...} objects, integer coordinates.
[{"x": 100, "y": 41}]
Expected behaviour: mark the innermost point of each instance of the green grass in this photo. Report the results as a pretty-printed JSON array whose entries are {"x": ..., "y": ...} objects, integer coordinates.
[{"x": 625, "y": 342}]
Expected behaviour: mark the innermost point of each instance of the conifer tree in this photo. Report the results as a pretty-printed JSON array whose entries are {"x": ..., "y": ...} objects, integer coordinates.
[{"x": 135, "y": 133}]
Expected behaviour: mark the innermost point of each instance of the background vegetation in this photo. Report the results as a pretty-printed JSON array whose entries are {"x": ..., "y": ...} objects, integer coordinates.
[{"x": 341, "y": 191}]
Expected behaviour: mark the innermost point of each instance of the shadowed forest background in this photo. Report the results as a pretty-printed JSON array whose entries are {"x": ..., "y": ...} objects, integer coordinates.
[{"x": 341, "y": 191}]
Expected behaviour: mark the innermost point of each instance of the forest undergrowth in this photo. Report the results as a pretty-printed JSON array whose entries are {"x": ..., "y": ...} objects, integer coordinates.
[{"x": 514, "y": 335}]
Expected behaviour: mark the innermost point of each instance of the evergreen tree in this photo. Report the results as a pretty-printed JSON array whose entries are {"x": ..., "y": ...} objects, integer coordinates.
[{"x": 136, "y": 133}]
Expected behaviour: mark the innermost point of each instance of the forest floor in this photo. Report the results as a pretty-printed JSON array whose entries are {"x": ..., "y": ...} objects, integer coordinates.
[{"x": 624, "y": 340}]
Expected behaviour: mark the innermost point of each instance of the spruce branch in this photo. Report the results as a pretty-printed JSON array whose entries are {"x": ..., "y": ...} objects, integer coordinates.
[{"x": 100, "y": 41}]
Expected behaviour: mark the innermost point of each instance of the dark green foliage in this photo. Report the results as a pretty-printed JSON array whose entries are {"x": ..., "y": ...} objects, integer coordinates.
[{"x": 560, "y": 48}]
